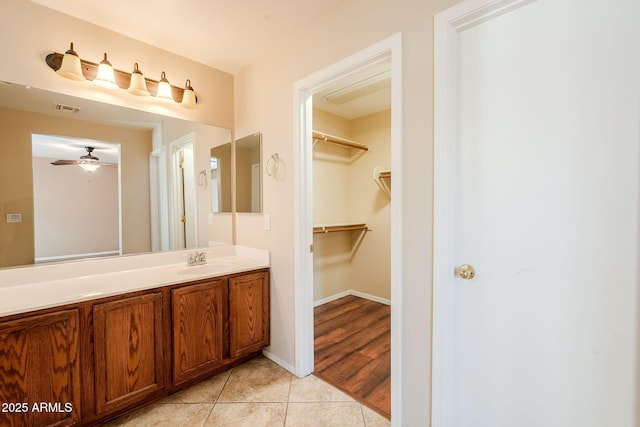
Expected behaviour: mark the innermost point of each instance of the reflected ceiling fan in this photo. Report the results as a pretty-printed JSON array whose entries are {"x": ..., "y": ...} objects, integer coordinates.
[{"x": 88, "y": 162}]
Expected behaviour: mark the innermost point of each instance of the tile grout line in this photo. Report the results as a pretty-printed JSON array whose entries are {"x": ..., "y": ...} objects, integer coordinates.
[
  {"x": 215, "y": 403},
  {"x": 286, "y": 410}
]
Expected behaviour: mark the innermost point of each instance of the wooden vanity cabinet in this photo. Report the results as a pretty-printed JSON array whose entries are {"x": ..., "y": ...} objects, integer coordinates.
[
  {"x": 199, "y": 313},
  {"x": 248, "y": 313},
  {"x": 217, "y": 322},
  {"x": 40, "y": 371},
  {"x": 130, "y": 349},
  {"x": 129, "y": 353}
]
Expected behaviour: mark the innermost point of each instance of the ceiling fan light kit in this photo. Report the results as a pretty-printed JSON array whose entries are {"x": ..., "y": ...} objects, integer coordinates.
[
  {"x": 71, "y": 66},
  {"x": 88, "y": 162}
]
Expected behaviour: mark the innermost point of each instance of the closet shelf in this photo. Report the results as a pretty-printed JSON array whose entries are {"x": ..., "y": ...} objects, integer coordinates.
[
  {"x": 382, "y": 177},
  {"x": 323, "y": 137},
  {"x": 332, "y": 228}
]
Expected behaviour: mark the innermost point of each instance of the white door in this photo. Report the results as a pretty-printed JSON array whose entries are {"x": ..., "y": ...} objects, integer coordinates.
[{"x": 545, "y": 198}]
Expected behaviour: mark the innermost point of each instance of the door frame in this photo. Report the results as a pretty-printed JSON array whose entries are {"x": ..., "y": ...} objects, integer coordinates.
[
  {"x": 448, "y": 25},
  {"x": 303, "y": 209},
  {"x": 186, "y": 141}
]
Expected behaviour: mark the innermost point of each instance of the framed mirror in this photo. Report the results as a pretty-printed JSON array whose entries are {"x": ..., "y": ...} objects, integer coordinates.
[{"x": 249, "y": 173}]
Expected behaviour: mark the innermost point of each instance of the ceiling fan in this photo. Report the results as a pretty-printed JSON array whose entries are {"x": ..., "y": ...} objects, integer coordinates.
[{"x": 88, "y": 162}]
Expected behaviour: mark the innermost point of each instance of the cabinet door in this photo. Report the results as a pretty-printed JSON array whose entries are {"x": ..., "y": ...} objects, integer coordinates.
[
  {"x": 249, "y": 313},
  {"x": 39, "y": 370},
  {"x": 199, "y": 312},
  {"x": 128, "y": 350}
]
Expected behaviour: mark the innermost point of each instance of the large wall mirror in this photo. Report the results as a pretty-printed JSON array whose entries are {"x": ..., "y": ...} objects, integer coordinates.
[
  {"x": 249, "y": 173},
  {"x": 138, "y": 200}
]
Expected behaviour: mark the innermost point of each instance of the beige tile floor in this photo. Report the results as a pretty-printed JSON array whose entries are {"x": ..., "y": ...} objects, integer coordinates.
[{"x": 256, "y": 393}]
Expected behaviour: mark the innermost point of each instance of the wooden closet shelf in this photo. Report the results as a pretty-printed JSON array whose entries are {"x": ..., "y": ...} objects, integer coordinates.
[
  {"x": 382, "y": 177},
  {"x": 319, "y": 136},
  {"x": 321, "y": 229}
]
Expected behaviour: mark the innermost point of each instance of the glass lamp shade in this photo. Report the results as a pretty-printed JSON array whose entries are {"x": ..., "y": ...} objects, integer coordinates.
[
  {"x": 105, "y": 77},
  {"x": 89, "y": 165},
  {"x": 71, "y": 68},
  {"x": 189, "y": 96},
  {"x": 138, "y": 85},
  {"x": 164, "y": 89}
]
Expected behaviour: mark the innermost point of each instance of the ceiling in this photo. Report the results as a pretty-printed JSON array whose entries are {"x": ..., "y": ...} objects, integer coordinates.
[
  {"x": 227, "y": 35},
  {"x": 230, "y": 35}
]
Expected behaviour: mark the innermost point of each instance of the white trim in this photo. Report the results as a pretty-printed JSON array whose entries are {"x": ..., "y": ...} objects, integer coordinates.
[
  {"x": 447, "y": 27},
  {"x": 303, "y": 232},
  {"x": 303, "y": 260},
  {"x": 278, "y": 361},
  {"x": 352, "y": 292},
  {"x": 333, "y": 297}
]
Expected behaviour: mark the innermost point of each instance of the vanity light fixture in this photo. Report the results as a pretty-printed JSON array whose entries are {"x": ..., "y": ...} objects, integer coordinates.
[
  {"x": 164, "y": 89},
  {"x": 71, "y": 66},
  {"x": 106, "y": 77},
  {"x": 138, "y": 85}
]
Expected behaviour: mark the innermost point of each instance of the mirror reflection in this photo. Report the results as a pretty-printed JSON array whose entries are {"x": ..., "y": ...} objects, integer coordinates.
[
  {"x": 151, "y": 213},
  {"x": 221, "y": 178},
  {"x": 249, "y": 173}
]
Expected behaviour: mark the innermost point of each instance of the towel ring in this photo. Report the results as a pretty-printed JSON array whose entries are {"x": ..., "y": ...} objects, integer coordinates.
[{"x": 272, "y": 164}]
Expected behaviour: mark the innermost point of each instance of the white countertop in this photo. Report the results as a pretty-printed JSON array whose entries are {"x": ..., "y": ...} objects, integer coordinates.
[{"x": 48, "y": 285}]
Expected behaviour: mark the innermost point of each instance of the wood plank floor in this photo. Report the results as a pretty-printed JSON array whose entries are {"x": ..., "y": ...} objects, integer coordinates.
[{"x": 352, "y": 349}]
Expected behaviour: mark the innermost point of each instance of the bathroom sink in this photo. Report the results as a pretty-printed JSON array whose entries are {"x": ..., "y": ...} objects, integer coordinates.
[{"x": 199, "y": 270}]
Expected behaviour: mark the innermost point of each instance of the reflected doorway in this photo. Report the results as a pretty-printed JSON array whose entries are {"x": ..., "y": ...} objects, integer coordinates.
[
  {"x": 77, "y": 198},
  {"x": 184, "y": 222}
]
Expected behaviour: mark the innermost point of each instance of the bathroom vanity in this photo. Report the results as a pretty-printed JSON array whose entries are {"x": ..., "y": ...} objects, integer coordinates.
[{"x": 84, "y": 342}]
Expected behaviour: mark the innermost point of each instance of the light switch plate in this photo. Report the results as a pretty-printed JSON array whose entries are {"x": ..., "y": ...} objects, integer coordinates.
[{"x": 267, "y": 222}]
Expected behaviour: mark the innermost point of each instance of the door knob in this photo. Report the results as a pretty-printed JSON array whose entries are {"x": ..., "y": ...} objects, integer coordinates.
[{"x": 466, "y": 272}]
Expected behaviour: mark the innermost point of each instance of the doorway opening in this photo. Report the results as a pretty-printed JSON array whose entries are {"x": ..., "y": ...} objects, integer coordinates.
[
  {"x": 364, "y": 73},
  {"x": 184, "y": 231},
  {"x": 77, "y": 198}
]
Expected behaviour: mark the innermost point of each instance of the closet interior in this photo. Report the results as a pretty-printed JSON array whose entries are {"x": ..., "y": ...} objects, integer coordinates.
[{"x": 351, "y": 250}]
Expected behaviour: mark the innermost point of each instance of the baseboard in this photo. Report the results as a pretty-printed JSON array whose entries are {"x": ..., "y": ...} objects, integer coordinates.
[
  {"x": 371, "y": 297},
  {"x": 354, "y": 293},
  {"x": 279, "y": 361},
  {"x": 332, "y": 297}
]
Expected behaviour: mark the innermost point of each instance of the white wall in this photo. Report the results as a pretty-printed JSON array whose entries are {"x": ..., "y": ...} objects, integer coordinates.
[
  {"x": 75, "y": 212},
  {"x": 264, "y": 102}
]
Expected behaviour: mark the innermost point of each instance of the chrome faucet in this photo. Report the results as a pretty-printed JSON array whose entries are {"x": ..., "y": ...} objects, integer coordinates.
[{"x": 196, "y": 258}]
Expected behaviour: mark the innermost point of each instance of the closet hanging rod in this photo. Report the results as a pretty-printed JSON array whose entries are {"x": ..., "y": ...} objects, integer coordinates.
[
  {"x": 337, "y": 140},
  {"x": 335, "y": 228}
]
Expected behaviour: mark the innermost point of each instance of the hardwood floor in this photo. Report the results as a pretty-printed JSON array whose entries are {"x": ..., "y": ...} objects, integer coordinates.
[{"x": 352, "y": 349}]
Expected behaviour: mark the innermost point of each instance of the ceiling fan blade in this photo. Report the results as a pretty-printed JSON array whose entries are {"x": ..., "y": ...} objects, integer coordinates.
[
  {"x": 65, "y": 162},
  {"x": 106, "y": 164}
]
